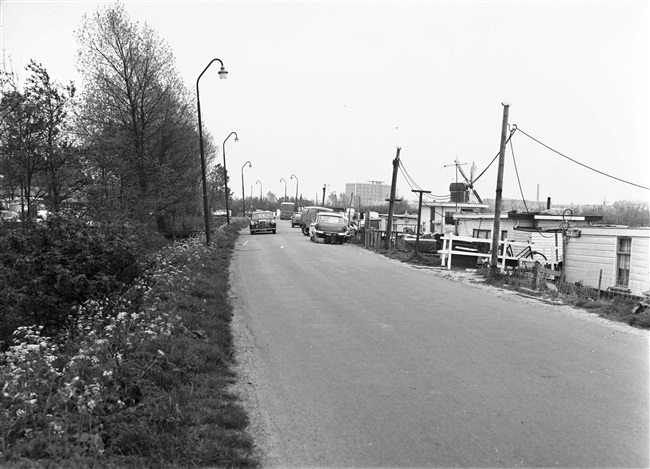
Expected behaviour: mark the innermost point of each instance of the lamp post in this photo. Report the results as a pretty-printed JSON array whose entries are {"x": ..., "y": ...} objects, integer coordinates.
[
  {"x": 243, "y": 194},
  {"x": 295, "y": 202},
  {"x": 285, "y": 189},
  {"x": 225, "y": 172},
  {"x": 206, "y": 210},
  {"x": 258, "y": 182}
]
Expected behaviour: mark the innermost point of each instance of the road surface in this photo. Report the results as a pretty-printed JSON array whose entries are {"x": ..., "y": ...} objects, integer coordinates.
[{"x": 349, "y": 359}]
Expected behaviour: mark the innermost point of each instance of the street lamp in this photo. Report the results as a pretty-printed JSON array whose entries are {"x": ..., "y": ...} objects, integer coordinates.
[
  {"x": 225, "y": 173},
  {"x": 285, "y": 189},
  {"x": 243, "y": 194},
  {"x": 258, "y": 182},
  {"x": 295, "y": 202},
  {"x": 206, "y": 210}
]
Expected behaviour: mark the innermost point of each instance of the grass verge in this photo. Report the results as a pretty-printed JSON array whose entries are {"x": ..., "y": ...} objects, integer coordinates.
[
  {"x": 143, "y": 382},
  {"x": 619, "y": 309},
  {"x": 626, "y": 309}
]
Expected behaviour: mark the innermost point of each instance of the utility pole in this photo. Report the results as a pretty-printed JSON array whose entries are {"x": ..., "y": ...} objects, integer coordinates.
[
  {"x": 417, "y": 230},
  {"x": 391, "y": 202},
  {"x": 324, "y": 194},
  {"x": 496, "y": 231},
  {"x": 350, "y": 207}
]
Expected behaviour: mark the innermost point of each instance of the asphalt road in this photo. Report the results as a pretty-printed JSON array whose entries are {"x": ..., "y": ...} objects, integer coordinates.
[{"x": 352, "y": 360}]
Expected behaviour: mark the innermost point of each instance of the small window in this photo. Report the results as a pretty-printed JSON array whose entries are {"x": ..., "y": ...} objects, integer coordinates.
[
  {"x": 449, "y": 218},
  {"x": 484, "y": 234},
  {"x": 623, "y": 255}
]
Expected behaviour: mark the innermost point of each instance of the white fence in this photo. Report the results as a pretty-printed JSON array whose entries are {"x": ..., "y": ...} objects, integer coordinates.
[{"x": 511, "y": 254}]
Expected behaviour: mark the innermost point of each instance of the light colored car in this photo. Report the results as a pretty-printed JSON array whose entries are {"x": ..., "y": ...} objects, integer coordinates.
[
  {"x": 262, "y": 222},
  {"x": 309, "y": 215},
  {"x": 331, "y": 227},
  {"x": 9, "y": 215}
]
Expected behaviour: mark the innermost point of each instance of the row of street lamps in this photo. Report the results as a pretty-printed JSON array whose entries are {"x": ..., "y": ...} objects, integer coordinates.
[
  {"x": 223, "y": 73},
  {"x": 293, "y": 176}
]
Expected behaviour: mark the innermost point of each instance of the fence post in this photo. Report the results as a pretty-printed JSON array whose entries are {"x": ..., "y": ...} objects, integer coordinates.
[{"x": 600, "y": 281}]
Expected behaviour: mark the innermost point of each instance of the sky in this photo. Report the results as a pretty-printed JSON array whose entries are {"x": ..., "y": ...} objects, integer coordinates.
[{"x": 322, "y": 93}]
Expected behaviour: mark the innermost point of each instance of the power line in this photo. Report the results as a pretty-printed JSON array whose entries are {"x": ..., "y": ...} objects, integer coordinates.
[
  {"x": 411, "y": 182},
  {"x": 512, "y": 132},
  {"x": 512, "y": 149},
  {"x": 584, "y": 165}
]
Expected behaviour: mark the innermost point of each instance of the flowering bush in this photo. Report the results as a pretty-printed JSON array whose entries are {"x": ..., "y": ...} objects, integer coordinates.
[
  {"x": 116, "y": 387},
  {"x": 49, "y": 269}
]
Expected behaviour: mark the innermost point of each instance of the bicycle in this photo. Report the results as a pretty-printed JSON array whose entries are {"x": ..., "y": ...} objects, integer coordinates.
[{"x": 526, "y": 253}]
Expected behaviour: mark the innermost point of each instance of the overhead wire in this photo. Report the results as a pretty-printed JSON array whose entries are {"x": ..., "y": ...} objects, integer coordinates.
[
  {"x": 512, "y": 132},
  {"x": 411, "y": 182},
  {"x": 584, "y": 165},
  {"x": 521, "y": 191}
]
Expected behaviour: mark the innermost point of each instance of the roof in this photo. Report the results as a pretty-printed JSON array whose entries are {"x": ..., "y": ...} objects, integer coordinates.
[
  {"x": 550, "y": 217},
  {"x": 465, "y": 205},
  {"x": 331, "y": 214}
]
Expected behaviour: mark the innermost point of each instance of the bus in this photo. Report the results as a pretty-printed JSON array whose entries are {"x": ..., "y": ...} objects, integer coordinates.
[{"x": 286, "y": 210}]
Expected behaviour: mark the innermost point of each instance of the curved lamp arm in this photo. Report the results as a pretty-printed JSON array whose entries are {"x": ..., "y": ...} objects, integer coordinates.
[{"x": 222, "y": 74}]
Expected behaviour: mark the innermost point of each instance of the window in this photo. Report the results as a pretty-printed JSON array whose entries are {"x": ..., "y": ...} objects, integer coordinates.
[
  {"x": 484, "y": 234},
  {"x": 623, "y": 253},
  {"x": 449, "y": 218}
]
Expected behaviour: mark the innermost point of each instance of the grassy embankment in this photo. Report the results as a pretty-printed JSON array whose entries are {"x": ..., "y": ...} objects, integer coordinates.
[
  {"x": 143, "y": 387},
  {"x": 618, "y": 308}
]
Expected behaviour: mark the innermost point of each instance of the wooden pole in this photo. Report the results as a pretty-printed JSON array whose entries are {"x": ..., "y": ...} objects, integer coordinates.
[
  {"x": 391, "y": 203},
  {"x": 494, "y": 262},
  {"x": 417, "y": 232}
]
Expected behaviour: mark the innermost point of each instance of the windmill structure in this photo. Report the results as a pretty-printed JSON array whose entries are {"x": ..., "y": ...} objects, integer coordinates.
[{"x": 468, "y": 185}]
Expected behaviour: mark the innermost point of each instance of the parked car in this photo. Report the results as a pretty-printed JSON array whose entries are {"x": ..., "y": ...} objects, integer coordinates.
[
  {"x": 331, "y": 227},
  {"x": 262, "y": 221},
  {"x": 9, "y": 216},
  {"x": 295, "y": 219},
  {"x": 309, "y": 215}
]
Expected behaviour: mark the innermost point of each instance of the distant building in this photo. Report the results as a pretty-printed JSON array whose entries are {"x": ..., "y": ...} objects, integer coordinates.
[{"x": 371, "y": 193}]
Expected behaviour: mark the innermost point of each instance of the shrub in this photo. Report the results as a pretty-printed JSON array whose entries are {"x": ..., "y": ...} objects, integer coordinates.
[
  {"x": 141, "y": 381},
  {"x": 48, "y": 270}
]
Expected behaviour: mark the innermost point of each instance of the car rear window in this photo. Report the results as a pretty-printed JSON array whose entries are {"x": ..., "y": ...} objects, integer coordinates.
[{"x": 331, "y": 219}]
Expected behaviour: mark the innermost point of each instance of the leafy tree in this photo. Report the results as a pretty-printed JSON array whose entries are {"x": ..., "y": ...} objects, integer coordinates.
[
  {"x": 217, "y": 188},
  {"x": 38, "y": 155},
  {"x": 622, "y": 212},
  {"x": 60, "y": 175},
  {"x": 21, "y": 129},
  {"x": 11, "y": 133},
  {"x": 138, "y": 119}
]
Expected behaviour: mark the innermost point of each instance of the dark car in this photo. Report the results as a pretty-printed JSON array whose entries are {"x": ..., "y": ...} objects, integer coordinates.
[
  {"x": 330, "y": 227},
  {"x": 262, "y": 222},
  {"x": 295, "y": 219}
]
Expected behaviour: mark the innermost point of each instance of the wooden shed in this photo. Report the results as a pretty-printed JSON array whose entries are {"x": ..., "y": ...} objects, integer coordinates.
[
  {"x": 542, "y": 231},
  {"x": 611, "y": 258}
]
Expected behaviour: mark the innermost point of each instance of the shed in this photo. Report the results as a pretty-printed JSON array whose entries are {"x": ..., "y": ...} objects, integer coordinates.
[
  {"x": 616, "y": 258},
  {"x": 543, "y": 231}
]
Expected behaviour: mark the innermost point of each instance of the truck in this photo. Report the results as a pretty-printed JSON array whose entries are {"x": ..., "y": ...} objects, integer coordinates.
[{"x": 286, "y": 210}]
